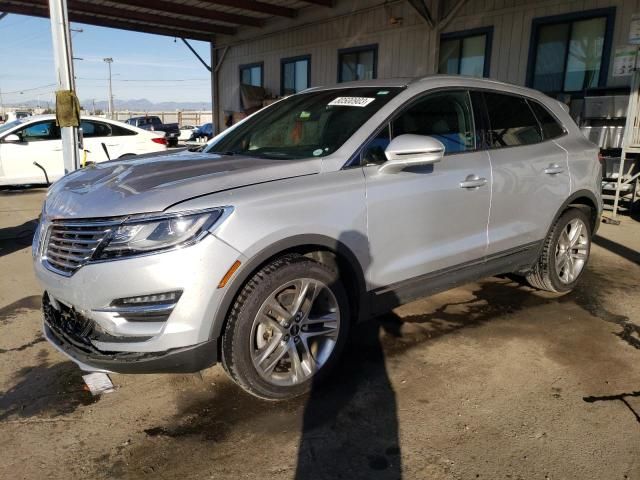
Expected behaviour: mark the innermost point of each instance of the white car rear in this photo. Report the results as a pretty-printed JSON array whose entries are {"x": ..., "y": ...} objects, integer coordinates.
[{"x": 28, "y": 141}]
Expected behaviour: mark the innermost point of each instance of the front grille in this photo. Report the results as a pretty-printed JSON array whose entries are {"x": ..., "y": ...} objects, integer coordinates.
[
  {"x": 68, "y": 322},
  {"x": 71, "y": 245}
]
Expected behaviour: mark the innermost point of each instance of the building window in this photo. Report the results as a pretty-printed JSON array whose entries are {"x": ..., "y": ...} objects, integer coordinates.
[
  {"x": 252, "y": 74},
  {"x": 570, "y": 53},
  {"x": 466, "y": 53},
  {"x": 358, "y": 63},
  {"x": 295, "y": 74}
]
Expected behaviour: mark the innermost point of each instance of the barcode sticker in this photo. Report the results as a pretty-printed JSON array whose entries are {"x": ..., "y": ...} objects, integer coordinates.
[{"x": 351, "y": 101}]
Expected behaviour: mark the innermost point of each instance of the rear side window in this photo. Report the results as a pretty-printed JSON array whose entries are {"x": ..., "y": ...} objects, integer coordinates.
[
  {"x": 551, "y": 128},
  {"x": 118, "y": 131},
  {"x": 511, "y": 121},
  {"x": 94, "y": 129}
]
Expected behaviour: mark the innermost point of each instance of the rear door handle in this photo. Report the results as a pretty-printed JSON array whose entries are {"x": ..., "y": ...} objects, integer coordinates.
[
  {"x": 553, "y": 169},
  {"x": 473, "y": 181}
]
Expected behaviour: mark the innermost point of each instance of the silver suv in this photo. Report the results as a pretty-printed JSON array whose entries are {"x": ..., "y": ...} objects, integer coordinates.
[{"x": 326, "y": 208}]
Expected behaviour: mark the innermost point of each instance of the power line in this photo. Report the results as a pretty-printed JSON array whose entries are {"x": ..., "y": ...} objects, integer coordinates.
[{"x": 30, "y": 89}]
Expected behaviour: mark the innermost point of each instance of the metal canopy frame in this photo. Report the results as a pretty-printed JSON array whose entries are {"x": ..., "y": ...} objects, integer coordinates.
[
  {"x": 184, "y": 19},
  {"x": 191, "y": 19}
]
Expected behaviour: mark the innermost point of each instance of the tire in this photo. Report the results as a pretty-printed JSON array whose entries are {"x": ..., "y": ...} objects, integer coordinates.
[
  {"x": 548, "y": 273},
  {"x": 264, "y": 319},
  {"x": 249, "y": 324}
]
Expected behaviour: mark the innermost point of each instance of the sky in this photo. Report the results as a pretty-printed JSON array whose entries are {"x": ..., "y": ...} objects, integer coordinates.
[{"x": 144, "y": 66}]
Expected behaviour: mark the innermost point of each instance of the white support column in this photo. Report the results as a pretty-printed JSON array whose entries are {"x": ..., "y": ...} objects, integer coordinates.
[
  {"x": 64, "y": 75},
  {"x": 215, "y": 91}
]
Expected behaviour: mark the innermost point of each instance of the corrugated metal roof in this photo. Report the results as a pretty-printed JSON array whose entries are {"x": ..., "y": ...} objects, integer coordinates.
[{"x": 194, "y": 19}]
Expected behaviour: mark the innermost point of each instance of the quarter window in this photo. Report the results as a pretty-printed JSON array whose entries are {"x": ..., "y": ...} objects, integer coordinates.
[
  {"x": 466, "y": 53},
  {"x": 357, "y": 63},
  {"x": 511, "y": 121},
  {"x": 570, "y": 53},
  {"x": 295, "y": 75},
  {"x": 118, "y": 131},
  {"x": 550, "y": 126}
]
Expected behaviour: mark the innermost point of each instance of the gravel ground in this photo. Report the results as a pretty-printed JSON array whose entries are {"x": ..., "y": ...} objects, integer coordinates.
[{"x": 492, "y": 380}]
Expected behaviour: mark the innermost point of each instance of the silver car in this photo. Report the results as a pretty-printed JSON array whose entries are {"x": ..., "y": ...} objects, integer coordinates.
[{"x": 324, "y": 209}]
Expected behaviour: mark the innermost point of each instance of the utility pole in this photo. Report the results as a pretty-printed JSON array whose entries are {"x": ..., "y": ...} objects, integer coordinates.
[
  {"x": 64, "y": 73},
  {"x": 109, "y": 61}
]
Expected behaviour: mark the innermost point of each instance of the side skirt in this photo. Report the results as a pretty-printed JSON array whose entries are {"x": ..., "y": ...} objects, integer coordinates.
[{"x": 383, "y": 299}]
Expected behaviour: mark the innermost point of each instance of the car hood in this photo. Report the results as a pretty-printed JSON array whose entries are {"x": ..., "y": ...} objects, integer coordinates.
[{"x": 153, "y": 184}]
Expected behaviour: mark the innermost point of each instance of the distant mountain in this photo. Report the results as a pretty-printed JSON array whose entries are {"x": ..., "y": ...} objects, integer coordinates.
[{"x": 137, "y": 105}]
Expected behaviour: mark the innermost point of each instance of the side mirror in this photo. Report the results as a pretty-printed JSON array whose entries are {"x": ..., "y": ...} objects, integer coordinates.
[
  {"x": 411, "y": 150},
  {"x": 13, "y": 138}
]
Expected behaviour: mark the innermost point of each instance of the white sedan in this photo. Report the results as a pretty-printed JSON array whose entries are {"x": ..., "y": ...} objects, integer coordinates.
[{"x": 37, "y": 139}]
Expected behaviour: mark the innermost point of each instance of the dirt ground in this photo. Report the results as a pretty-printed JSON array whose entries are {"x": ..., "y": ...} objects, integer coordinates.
[{"x": 492, "y": 380}]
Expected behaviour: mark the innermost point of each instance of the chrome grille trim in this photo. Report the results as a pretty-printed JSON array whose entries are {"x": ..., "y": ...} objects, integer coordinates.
[{"x": 70, "y": 245}]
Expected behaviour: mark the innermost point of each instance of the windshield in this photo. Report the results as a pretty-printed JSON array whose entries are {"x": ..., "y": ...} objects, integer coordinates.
[
  {"x": 313, "y": 124},
  {"x": 9, "y": 125}
]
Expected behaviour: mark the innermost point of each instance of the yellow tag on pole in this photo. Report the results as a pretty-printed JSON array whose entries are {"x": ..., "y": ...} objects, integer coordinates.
[{"x": 67, "y": 109}]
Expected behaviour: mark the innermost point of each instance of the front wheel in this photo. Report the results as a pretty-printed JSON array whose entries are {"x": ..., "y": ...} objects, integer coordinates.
[
  {"x": 286, "y": 329},
  {"x": 564, "y": 255}
]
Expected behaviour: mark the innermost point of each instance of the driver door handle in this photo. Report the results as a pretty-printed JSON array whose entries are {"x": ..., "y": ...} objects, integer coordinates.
[
  {"x": 553, "y": 169},
  {"x": 473, "y": 181}
]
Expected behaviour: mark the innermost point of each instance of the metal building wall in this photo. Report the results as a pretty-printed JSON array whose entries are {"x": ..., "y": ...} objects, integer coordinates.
[{"x": 408, "y": 49}]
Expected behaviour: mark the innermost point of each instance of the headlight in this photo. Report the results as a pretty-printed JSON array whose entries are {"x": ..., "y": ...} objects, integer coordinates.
[{"x": 151, "y": 234}]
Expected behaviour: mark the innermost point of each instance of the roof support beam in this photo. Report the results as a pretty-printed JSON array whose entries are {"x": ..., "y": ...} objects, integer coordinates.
[
  {"x": 196, "y": 54},
  {"x": 203, "y": 13},
  {"x": 451, "y": 14},
  {"x": 253, "y": 6},
  {"x": 76, "y": 6},
  {"x": 420, "y": 6},
  {"x": 37, "y": 11},
  {"x": 322, "y": 3}
]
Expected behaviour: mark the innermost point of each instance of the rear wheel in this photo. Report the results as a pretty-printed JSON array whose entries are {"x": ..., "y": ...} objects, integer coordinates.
[
  {"x": 564, "y": 255},
  {"x": 286, "y": 329}
]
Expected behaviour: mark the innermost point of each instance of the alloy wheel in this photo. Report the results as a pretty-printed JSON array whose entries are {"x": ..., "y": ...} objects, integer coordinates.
[
  {"x": 295, "y": 331},
  {"x": 572, "y": 251}
]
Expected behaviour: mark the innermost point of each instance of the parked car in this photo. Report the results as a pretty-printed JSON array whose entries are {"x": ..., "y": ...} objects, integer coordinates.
[
  {"x": 186, "y": 131},
  {"x": 320, "y": 210},
  {"x": 37, "y": 139},
  {"x": 153, "y": 123},
  {"x": 17, "y": 115},
  {"x": 204, "y": 131}
]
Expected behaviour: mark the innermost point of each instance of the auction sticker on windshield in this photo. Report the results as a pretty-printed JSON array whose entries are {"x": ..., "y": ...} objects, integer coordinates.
[{"x": 351, "y": 101}]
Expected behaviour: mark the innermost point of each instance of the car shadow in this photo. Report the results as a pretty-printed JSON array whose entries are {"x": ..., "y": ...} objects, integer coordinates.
[
  {"x": 618, "y": 249},
  {"x": 16, "y": 238},
  {"x": 49, "y": 390}
]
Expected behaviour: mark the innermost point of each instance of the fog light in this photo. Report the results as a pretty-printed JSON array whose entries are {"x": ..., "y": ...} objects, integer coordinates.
[{"x": 153, "y": 299}]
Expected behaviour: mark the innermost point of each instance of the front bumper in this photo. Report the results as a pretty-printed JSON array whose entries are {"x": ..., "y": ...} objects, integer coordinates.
[
  {"x": 107, "y": 340},
  {"x": 179, "y": 360}
]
